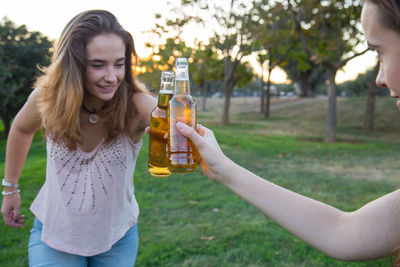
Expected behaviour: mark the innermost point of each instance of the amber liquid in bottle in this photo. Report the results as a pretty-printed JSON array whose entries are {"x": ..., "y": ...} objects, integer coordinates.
[
  {"x": 158, "y": 157},
  {"x": 182, "y": 108}
]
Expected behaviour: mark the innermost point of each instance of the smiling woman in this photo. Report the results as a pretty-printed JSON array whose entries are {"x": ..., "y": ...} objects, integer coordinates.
[{"x": 94, "y": 114}]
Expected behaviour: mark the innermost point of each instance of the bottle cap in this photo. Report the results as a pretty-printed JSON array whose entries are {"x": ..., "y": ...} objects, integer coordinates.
[
  {"x": 181, "y": 61},
  {"x": 181, "y": 65},
  {"x": 167, "y": 76},
  {"x": 167, "y": 81}
]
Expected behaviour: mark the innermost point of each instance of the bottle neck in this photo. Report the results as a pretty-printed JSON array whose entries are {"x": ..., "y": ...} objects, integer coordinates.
[
  {"x": 163, "y": 99},
  {"x": 165, "y": 93},
  {"x": 182, "y": 87}
]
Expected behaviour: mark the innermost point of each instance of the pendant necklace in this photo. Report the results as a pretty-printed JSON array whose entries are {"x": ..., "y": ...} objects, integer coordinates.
[{"x": 93, "y": 117}]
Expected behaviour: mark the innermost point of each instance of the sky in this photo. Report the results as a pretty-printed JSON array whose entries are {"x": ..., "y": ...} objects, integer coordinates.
[{"x": 136, "y": 16}]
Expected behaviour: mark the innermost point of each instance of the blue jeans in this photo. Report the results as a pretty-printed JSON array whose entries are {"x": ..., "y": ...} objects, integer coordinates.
[{"x": 123, "y": 253}]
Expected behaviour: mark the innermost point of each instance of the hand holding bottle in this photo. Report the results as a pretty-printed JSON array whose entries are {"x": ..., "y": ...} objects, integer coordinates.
[{"x": 213, "y": 162}]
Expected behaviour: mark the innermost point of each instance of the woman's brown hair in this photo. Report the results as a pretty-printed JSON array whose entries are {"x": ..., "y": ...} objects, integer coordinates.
[
  {"x": 61, "y": 85},
  {"x": 389, "y": 13}
]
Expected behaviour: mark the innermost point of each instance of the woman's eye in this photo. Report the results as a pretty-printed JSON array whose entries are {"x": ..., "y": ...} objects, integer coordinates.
[
  {"x": 120, "y": 65},
  {"x": 97, "y": 66}
]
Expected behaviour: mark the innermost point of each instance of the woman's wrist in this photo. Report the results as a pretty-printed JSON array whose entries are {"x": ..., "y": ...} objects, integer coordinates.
[
  {"x": 9, "y": 188},
  {"x": 226, "y": 170},
  {"x": 10, "y": 192},
  {"x": 7, "y": 183}
]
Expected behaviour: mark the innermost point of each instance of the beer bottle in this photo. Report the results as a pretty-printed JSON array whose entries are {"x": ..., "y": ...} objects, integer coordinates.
[
  {"x": 158, "y": 159},
  {"x": 182, "y": 108}
]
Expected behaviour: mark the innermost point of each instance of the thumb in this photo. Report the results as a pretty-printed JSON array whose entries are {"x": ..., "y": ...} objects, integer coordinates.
[{"x": 189, "y": 132}]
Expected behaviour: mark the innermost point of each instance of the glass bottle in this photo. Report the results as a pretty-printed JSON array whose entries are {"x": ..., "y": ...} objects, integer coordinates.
[
  {"x": 182, "y": 108},
  {"x": 158, "y": 158}
]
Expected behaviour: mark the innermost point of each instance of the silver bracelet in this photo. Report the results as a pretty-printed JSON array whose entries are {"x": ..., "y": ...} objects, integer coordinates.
[
  {"x": 4, "y": 183},
  {"x": 10, "y": 193}
]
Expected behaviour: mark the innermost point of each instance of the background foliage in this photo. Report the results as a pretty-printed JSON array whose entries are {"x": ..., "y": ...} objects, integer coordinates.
[{"x": 21, "y": 53}]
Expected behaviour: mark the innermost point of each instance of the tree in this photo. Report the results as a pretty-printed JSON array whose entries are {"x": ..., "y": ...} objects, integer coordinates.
[
  {"x": 21, "y": 52},
  {"x": 272, "y": 29},
  {"x": 305, "y": 73},
  {"x": 328, "y": 31},
  {"x": 207, "y": 67},
  {"x": 231, "y": 36},
  {"x": 233, "y": 44},
  {"x": 203, "y": 61},
  {"x": 163, "y": 58}
]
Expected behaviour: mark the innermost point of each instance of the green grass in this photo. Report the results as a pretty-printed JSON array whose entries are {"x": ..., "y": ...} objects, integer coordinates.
[{"x": 178, "y": 212}]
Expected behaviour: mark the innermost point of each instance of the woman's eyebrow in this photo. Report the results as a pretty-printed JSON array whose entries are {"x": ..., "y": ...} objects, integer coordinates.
[
  {"x": 103, "y": 61},
  {"x": 373, "y": 46}
]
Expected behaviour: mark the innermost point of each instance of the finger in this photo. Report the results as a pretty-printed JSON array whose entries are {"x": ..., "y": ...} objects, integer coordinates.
[
  {"x": 15, "y": 213},
  {"x": 201, "y": 131},
  {"x": 147, "y": 130},
  {"x": 20, "y": 221},
  {"x": 15, "y": 216},
  {"x": 190, "y": 133},
  {"x": 11, "y": 220}
]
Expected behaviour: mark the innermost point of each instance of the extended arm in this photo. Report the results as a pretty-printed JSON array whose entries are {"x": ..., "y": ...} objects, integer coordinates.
[
  {"x": 371, "y": 232},
  {"x": 24, "y": 126},
  {"x": 368, "y": 233}
]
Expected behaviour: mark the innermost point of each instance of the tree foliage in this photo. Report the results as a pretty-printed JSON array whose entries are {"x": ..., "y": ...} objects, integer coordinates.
[
  {"x": 328, "y": 30},
  {"x": 228, "y": 24},
  {"x": 21, "y": 52},
  {"x": 273, "y": 42},
  {"x": 163, "y": 58}
]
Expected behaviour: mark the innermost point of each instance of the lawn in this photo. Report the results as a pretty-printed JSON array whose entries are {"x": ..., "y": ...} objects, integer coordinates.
[{"x": 188, "y": 220}]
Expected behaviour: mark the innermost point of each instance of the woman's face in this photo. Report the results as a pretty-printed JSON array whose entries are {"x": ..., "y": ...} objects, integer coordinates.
[
  {"x": 387, "y": 44},
  {"x": 105, "y": 68}
]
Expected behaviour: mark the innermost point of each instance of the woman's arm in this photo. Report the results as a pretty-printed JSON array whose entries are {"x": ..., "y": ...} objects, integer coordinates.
[
  {"x": 145, "y": 104},
  {"x": 24, "y": 126},
  {"x": 371, "y": 232}
]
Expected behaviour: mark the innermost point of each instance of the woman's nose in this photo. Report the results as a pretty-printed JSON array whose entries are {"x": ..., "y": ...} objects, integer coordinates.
[
  {"x": 110, "y": 75},
  {"x": 380, "y": 78}
]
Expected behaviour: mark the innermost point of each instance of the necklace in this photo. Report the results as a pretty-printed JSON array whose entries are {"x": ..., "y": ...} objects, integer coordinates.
[{"x": 93, "y": 118}]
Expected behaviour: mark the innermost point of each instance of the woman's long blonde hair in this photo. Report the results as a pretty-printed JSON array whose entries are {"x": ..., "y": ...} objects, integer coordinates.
[{"x": 61, "y": 85}]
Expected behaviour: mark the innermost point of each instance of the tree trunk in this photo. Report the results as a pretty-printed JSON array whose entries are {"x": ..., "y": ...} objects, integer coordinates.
[
  {"x": 268, "y": 93},
  {"x": 304, "y": 84},
  {"x": 330, "y": 134},
  {"x": 228, "y": 93},
  {"x": 229, "y": 81},
  {"x": 369, "y": 113},
  {"x": 205, "y": 91},
  {"x": 262, "y": 109}
]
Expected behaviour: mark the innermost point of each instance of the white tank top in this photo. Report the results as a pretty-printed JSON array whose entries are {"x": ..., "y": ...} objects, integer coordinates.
[{"x": 87, "y": 202}]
